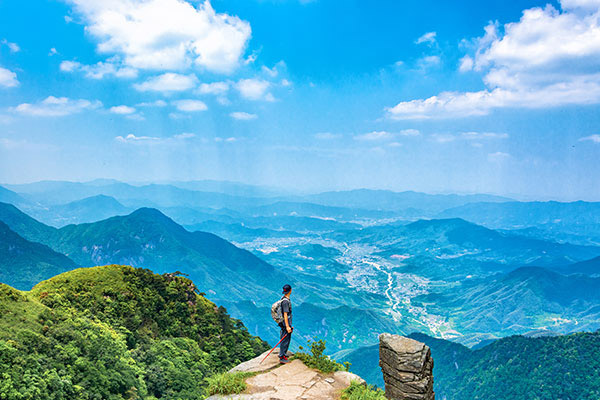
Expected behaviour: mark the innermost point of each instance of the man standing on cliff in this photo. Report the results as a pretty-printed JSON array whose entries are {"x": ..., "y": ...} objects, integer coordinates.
[{"x": 286, "y": 325}]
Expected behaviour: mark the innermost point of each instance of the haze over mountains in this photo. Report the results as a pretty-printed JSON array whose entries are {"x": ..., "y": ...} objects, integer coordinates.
[{"x": 361, "y": 261}]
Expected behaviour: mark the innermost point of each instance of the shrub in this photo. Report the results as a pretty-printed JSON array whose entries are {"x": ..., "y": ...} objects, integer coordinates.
[
  {"x": 317, "y": 360},
  {"x": 227, "y": 383},
  {"x": 357, "y": 391}
]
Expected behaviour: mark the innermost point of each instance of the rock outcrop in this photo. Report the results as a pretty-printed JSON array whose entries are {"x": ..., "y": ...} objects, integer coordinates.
[
  {"x": 289, "y": 382},
  {"x": 407, "y": 368}
]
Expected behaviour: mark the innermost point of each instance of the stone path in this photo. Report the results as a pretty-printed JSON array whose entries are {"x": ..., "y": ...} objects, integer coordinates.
[{"x": 289, "y": 382}]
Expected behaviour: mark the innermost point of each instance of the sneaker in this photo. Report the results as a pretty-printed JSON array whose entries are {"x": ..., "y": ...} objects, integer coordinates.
[
  {"x": 285, "y": 358},
  {"x": 283, "y": 361}
]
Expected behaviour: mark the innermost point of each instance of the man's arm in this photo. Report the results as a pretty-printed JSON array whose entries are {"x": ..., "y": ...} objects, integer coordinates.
[{"x": 287, "y": 324}]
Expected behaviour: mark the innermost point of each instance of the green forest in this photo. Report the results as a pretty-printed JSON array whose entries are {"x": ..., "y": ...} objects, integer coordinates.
[{"x": 115, "y": 332}]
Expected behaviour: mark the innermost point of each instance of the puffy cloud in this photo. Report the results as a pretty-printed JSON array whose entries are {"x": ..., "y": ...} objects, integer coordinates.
[
  {"x": 131, "y": 138},
  {"x": 254, "y": 89},
  {"x": 13, "y": 47},
  {"x": 548, "y": 58},
  {"x": 466, "y": 64},
  {"x": 8, "y": 78},
  {"x": 592, "y": 138},
  {"x": 213, "y": 88},
  {"x": 157, "y": 103},
  {"x": 428, "y": 37},
  {"x": 100, "y": 69},
  {"x": 168, "y": 82},
  {"x": 122, "y": 110},
  {"x": 52, "y": 52},
  {"x": 244, "y": 116},
  {"x": 375, "y": 135},
  {"x": 165, "y": 34},
  {"x": 56, "y": 107},
  {"x": 190, "y": 105}
]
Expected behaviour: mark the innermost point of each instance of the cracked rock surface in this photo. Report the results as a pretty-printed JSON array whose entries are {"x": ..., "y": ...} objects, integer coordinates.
[{"x": 289, "y": 381}]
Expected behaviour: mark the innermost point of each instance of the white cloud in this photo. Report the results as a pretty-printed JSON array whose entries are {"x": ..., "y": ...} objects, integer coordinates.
[
  {"x": 56, "y": 107},
  {"x": 52, "y": 52},
  {"x": 548, "y": 58},
  {"x": 166, "y": 34},
  {"x": 466, "y": 64},
  {"x": 254, "y": 89},
  {"x": 498, "y": 156},
  {"x": 409, "y": 132},
  {"x": 131, "y": 138},
  {"x": 385, "y": 135},
  {"x": 68, "y": 19},
  {"x": 168, "y": 82},
  {"x": 225, "y": 140},
  {"x": 327, "y": 135},
  {"x": 122, "y": 110},
  {"x": 13, "y": 47},
  {"x": 468, "y": 136},
  {"x": 214, "y": 88},
  {"x": 184, "y": 136},
  {"x": 100, "y": 69},
  {"x": 285, "y": 83},
  {"x": 428, "y": 37},
  {"x": 592, "y": 138},
  {"x": 156, "y": 103},
  {"x": 375, "y": 135},
  {"x": 244, "y": 116},
  {"x": 8, "y": 78},
  {"x": 428, "y": 61},
  {"x": 190, "y": 105}
]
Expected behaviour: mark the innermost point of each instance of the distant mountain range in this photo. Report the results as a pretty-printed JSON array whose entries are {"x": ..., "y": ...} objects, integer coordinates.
[
  {"x": 526, "y": 297},
  {"x": 148, "y": 238},
  {"x": 455, "y": 248}
]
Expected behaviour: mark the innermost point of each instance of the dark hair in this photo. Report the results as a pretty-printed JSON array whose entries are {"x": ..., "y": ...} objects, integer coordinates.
[{"x": 286, "y": 288}]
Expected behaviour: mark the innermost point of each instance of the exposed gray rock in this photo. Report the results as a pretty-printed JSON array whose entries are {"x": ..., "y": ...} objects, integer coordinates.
[{"x": 407, "y": 368}]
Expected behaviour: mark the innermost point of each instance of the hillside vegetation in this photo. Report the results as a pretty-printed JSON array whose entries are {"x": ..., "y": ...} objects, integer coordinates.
[
  {"x": 512, "y": 368},
  {"x": 115, "y": 332}
]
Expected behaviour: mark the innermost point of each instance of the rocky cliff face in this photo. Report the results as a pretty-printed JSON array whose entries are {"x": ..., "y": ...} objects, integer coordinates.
[{"x": 407, "y": 368}]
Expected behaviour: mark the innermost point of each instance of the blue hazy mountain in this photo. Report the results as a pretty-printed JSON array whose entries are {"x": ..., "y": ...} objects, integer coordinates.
[
  {"x": 574, "y": 222},
  {"x": 24, "y": 263},
  {"x": 150, "y": 239},
  {"x": 511, "y": 303},
  {"x": 454, "y": 248},
  {"x": 397, "y": 201},
  {"x": 90, "y": 209}
]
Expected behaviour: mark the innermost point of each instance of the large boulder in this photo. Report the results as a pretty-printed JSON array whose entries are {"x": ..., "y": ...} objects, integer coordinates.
[{"x": 407, "y": 368}]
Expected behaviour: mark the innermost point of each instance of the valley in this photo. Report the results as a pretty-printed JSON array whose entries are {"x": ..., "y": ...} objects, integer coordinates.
[{"x": 360, "y": 262}]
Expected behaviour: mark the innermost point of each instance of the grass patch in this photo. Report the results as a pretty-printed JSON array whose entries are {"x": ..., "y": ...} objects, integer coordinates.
[
  {"x": 356, "y": 391},
  {"x": 317, "y": 360},
  {"x": 227, "y": 383}
]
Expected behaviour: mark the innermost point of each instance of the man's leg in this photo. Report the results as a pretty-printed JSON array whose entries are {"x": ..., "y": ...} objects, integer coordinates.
[{"x": 285, "y": 343}]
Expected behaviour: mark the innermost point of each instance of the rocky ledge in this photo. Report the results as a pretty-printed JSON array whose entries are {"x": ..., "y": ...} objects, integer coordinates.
[
  {"x": 289, "y": 382},
  {"x": 407, "y": 368}
]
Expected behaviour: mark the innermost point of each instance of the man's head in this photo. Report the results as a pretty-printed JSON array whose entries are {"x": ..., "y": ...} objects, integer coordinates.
[{"x": 287, "y": 289}]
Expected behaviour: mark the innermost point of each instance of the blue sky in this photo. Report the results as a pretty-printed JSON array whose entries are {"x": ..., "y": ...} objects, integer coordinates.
[{"x": 468, "y": 96}]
